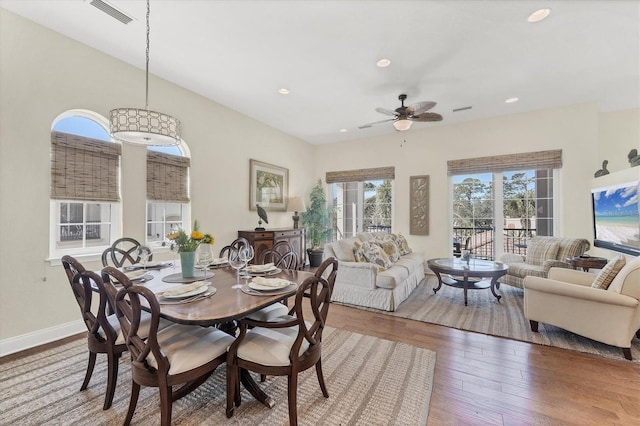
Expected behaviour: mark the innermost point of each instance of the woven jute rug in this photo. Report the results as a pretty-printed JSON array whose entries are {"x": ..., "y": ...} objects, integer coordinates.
[
  {"x": 505, "y": 318},
  {"x": 371, "y": 381}
]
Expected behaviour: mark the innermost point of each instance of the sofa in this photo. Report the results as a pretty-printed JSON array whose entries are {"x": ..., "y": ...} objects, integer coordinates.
[
  {"x": 583, "y": 303},
  {"x": 543, "y": 253},
  {"x": 374, "y": 284}
]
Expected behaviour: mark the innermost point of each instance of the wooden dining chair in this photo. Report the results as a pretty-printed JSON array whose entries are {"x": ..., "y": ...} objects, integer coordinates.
[
  {"x": 122, "y": 252},
  {"x": 285, "y": 347},
  {"x": 103, "y": 332},
  {"x": 177, "y": 355},
  {"x": 281, "y": 255},
  {"x": 234, "y": 248}
]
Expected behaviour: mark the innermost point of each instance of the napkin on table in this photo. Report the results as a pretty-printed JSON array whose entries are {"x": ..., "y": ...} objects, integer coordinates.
[
  {"x": 177, "y": 290},
  {"x": 260, "y": 268},
  {"x": 271, "y": 282}
]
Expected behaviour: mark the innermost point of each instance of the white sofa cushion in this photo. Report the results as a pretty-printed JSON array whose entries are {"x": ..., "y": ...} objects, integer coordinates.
[
  {"x": 344, "y": 249},
  {"x": 392, "y": 277}
]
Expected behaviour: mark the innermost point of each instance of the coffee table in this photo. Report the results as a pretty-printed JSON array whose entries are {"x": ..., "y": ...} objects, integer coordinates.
[{"x": 471, "y": 275}]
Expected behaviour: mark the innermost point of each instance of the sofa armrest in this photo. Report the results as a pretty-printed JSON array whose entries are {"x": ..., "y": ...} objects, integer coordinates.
[
  {"x": 575, "y": 291},
  {"x": 552, "y": 263},
  {"x": 572, "y": 276},
  {"x": 359, "y": 274},
  {"x": 511, "y": 258}
]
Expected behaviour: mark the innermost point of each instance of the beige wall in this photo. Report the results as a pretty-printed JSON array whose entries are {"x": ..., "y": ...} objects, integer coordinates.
[
  {"x": 43, "y": 74},
  {"x": 575, "y": 129}
]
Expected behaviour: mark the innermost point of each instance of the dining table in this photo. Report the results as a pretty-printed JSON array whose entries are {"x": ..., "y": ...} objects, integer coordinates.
[{"x": 221, "y": 309}]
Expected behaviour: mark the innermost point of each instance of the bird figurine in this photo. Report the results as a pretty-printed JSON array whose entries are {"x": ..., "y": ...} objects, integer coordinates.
[
  {"x": 262, "y": 213},
  {"x": 634, "y": 158},
  {"x": 603, "y": 171}
]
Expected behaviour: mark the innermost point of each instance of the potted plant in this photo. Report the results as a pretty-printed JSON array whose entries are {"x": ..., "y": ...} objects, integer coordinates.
[{"x": 317, "y": 221}]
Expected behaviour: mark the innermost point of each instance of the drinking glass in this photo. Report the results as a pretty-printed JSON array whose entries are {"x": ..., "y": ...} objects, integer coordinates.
[
  {"x": 204, "y": 257},
  {"x": 173, "y": 248},
  {"x": 236, "y": 263},
  {"x": 143, "y": 253}
]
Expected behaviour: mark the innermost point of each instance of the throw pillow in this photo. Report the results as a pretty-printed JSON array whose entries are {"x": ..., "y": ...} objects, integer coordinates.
[
  {"x": 402, "y": 243},
  {"x": 541, "y": 250},
  {"x": 358, "y": 252},
  {"x": 609, "y": 272},
  {"x": 390, "y": 248},
  {"x": 373, "y": 254},
  {"x": 344, "y": 250}
]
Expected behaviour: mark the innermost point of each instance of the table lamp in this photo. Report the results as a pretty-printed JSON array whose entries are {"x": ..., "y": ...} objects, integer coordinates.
[{"x": 296, "y": 204}]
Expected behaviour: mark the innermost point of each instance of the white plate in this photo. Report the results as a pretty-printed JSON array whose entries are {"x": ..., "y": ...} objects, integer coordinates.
[
  {"x": 261, "y": 287},
  {"x": 197, "y": 291}
]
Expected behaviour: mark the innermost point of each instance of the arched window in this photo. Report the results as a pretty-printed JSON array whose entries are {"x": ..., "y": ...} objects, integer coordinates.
[
  {"x": 167, "y": 191},
  {"x": 85, "y": 184}
]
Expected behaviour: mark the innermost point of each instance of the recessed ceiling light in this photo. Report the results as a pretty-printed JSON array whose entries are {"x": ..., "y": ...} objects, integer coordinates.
[
  {"x": 511, "y": 100},
  {"x": 383, "y": 63},
  {"x": 538, "y": 15},
  {"x": 343, "y": 130},
  {"x": 283, "y": 91}
]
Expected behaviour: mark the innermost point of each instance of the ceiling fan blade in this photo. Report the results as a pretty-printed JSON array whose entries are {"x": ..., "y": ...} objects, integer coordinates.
[
  {"x": 420, "y": 107},
  {"x": 426, "y": 116},
  {"x": 386, "y": 111},
  {"x": 365, "y": 126}
]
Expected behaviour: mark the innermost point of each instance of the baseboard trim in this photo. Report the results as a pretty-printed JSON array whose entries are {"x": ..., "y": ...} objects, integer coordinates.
[{"x": 40, "y": 337}]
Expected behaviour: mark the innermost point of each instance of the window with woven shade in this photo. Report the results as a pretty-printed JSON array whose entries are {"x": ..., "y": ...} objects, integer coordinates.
[
  {"x": 85, "y": 184},
  {"x": 500, "y": 202},
  {"x": 363, "y": 200},
  {"x": 167, "y": 192}
]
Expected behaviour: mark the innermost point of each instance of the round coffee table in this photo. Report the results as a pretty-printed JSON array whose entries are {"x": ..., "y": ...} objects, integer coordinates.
[{"x": 468, "y": 275}]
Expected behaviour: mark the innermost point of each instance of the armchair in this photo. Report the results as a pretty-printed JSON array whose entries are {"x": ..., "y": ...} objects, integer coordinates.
[
  {"x": 566, "y": 299},
  {"x": 543, "y": 253}
]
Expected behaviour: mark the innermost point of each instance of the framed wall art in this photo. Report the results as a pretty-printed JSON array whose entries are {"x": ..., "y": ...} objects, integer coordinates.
[
  {"x": 419, "y": 205},
  {"x": 268, "y": 186}
]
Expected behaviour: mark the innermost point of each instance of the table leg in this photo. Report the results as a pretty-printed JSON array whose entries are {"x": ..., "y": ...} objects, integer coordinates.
[
  {"x": 494, "y": 284},
  {"x": 465, "y": 285},
  {"x": 254, "y": 389},
  {"x": 435, "y": 290}
]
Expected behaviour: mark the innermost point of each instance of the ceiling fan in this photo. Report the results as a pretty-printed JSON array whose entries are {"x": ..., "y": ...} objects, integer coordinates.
[{"x": 403, "y": 116}]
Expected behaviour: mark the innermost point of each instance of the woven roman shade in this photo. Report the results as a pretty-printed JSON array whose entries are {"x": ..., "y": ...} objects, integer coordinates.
[
  {"x": 167, "y": 177},
  {"x": 83, "y": 168},
  {"x": 539, "y": 160},
  {"x": 361, "y": 175}
]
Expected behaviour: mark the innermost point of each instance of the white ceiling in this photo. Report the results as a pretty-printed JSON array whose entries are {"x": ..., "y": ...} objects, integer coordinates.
[{"x": 456, "y": 53}]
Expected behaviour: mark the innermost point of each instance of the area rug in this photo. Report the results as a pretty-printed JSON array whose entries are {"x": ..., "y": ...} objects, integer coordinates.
[
  {"x": 505, "y": 318},
  {"x": 371, "y": 381}
]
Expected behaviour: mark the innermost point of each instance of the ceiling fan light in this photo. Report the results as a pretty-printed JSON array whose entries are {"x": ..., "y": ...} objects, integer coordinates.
[
  {"x": 402, "y": 125},
  {"x": 538, "y": 15}
]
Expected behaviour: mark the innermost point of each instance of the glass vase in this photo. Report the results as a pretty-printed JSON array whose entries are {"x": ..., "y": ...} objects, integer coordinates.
[{"x": 187, "y": 261}]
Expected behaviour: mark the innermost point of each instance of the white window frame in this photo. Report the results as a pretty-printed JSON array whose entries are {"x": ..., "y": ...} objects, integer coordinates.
[
  {"x": 84, "y": 253},
  {"x": 186, "y": 207}
]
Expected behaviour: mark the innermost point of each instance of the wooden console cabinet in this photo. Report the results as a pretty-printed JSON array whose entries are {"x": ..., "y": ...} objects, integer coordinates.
[{"x": 263, "y": 240}]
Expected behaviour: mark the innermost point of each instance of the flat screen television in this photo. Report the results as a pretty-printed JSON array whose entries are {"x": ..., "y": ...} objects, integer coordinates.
[{"x": 616, "y": 218}]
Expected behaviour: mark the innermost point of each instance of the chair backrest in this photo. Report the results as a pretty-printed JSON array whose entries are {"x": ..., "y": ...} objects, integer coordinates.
[
  {"x": 317, "y": 290},
  {"x": 128, "y": 306},
  {"x": 281, "y": 255},
  {"x": 122, "y": 252},
  {"x": 85, "y": 284},
  {"x": 231, "y": 251}
]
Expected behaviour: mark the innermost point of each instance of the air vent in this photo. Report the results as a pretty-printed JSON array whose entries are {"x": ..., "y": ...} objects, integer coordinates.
[
  {"x": 462, "y": 109},
  {"x": 111, "y": 11}
]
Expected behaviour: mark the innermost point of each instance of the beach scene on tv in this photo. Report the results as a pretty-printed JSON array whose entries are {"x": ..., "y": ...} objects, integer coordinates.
[{"x": 616, "y": 215}]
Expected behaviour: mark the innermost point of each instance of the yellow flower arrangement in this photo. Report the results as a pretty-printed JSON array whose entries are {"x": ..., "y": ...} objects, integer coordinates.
[{"x": 190, "y": 242}]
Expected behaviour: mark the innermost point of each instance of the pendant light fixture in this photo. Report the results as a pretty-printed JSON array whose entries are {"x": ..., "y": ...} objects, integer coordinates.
[{"x": 143, "y": 126}]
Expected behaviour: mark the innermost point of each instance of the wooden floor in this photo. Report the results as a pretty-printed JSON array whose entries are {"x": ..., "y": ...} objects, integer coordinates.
[{"x": 485, "y": 380}]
